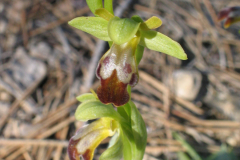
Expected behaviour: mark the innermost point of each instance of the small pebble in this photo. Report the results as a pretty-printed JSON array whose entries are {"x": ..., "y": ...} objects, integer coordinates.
[
  {"x": 5, "y": 97},
  {"x": 3, "y": 26},
  {"x": 187, "y": 83}
]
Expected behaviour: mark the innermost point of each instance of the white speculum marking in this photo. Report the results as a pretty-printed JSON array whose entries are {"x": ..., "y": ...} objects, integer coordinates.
[{"x": 119, "y": 57}]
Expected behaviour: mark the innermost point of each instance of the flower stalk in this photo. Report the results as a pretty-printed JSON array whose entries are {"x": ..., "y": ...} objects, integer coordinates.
[{"x": 115, "y": 114}]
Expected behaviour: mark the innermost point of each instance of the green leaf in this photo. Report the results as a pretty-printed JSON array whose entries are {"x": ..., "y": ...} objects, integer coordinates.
[
  {"x": 115, "y": 150},
  {"x": 159, "y": 42},
  {"x": 186, "y": 146},
  {"x": 94, "y": 109},
  {"x": 122, "y": 30},
  {"x": 95, "y": 26},
  {"x": 139, "y": 131},
  {"x": 152, "y": 23},
  {"x": 104, "y": 14},
  {"x": 139, "y": 53},
  {"x": 182, "y": 156},
  {"x": 94, "y": 4},
  {"x": 86, "y": 97},
  {"x": 108, "y": 6}
]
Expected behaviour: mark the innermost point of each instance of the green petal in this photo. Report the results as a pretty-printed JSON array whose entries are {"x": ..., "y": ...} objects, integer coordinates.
[
  {"x": 86, "y": 97},
  {"x": 152, "y": 23},
  {"x": 115, "y": 150},
  {"x": 95, "y": 26},
  {"x": 122, "y": 30},
  {"x": 161, "y": 43},
  {"x": 137, "y": 18},
  {"x": 139, "y": 131},
  {"x": 94, "y": 109},
  {"x": 139, "y": 53},
  {"x": 105, "y": 14},
  {"x": 94, "y": 4}
]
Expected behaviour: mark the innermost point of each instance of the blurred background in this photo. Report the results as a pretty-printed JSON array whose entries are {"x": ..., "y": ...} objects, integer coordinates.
[{"x": 45, "y": 64}]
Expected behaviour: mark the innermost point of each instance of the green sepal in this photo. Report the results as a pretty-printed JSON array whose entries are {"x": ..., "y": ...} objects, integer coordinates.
[
  {"x": 159, "y": 42},
  {"x": 152, "y": 23},
  {"x": 139, "y": 53},
  {"x": 139, "y": 131},
  {"x": 86, "y": 97},
  {"x": 94, "y": 109},
  {"x": 115, "y": 149},
  {"x": 122, "y": 30},
  {"x": 105, "y": 14},
  {"x": 95, "y": 26},
  {"x": 94, "y": 4},
  {"x": 137, "y": 18},
  {"x": 108, "y": 6}
]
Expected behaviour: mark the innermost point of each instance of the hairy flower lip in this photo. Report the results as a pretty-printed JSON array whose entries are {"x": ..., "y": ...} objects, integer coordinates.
[
  {"x": 117, "y": 69},
  {"x": 113, "y": 91},
  {"x": 231, "y": 14},
  {"x": 87, "y": 138}
]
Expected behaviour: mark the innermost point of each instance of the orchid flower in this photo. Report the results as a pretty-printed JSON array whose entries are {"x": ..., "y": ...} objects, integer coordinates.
[
  {"x": 231, "y": 14},
  {"x": 126, "y": 126},
  {"x": 118, "y": 67},
  {"x": 89, "y": 137}
]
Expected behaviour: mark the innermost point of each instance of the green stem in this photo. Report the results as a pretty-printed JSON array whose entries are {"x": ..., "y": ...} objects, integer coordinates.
[
  {"x": 108, "y": 6},
  {"x": 94, "y": 4}
]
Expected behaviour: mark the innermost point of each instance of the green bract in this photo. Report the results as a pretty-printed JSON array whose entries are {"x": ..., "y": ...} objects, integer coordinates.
[
  {"x": 93, "y": 109},
  {"x": 86, "y": 97}
]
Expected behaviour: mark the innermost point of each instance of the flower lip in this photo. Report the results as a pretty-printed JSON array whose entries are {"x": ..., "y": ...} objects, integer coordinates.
[
  {"x": 117, "y": 69},
  {"x": 113, "y": 91},
  {"x": 231, "y": 14},
  {"x": 72, "y": 150}
]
